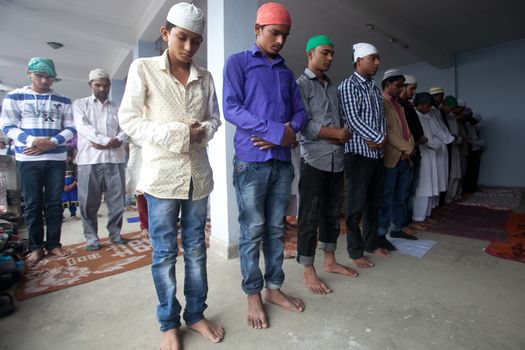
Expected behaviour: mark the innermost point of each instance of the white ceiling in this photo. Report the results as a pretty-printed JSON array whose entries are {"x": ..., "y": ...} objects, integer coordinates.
[{"x": 103, "y": 33}]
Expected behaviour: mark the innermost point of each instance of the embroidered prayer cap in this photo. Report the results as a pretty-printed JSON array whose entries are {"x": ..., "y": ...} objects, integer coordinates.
[
  {"x": 42, "y": 65},
  {"x": 98, "y": 73},
  {"x": 410, "y": 79},
  {"x": 318, "y": 40},
  {"x": 187, "y": 16},
  {"x": 392, "y": 72},
  {"x": 434, "y": 90},
  {"x": 450, "y": 101},
  {"x": 462, "y": 103},
  {"x": 363, "y": 49},
  {"x": 273, "y": 13}
]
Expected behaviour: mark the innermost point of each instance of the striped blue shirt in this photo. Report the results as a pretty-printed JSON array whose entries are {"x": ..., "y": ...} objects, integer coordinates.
[
  {"x": 27, "y": 115},
  {"x": 362, "y": 106}
]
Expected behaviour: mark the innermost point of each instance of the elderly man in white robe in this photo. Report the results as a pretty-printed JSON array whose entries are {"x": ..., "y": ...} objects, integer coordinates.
[{"x": 444, "y": 135}]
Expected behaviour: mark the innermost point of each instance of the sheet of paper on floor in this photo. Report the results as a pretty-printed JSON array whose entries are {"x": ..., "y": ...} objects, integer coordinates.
[{"x": 413, "y": 248}]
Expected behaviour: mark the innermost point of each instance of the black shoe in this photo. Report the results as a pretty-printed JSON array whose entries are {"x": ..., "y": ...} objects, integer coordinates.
[
  {"x": 401, "y": 234},
  {"x": 386, "y": 244}
]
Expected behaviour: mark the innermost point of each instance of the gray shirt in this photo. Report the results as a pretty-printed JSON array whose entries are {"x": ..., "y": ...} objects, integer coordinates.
[{"x": 322, "y": 105}]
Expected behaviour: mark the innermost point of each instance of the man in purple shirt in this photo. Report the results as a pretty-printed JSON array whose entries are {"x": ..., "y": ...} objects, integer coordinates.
[{"x": 262, "y": 100}]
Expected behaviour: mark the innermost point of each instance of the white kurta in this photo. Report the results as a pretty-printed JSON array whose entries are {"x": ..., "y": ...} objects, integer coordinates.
[
  {"x": 428, "y": 171},
  {"x": 442, "y": 133}
]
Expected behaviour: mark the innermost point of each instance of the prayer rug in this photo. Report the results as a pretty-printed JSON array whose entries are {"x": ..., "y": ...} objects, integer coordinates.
[
  {"x": 54, "y": 273},
  {"x": 494, "y": 198},
  {"x": 513, "y": 248},
  {"x": 472, "y": 222}
]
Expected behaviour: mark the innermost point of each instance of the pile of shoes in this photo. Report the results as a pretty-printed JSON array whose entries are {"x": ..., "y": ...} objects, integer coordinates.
[{"x": 12, "y": 266}]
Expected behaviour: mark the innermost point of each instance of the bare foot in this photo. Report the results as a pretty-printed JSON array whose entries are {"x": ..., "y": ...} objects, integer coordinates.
[
  {"x": 362, "y": 262},
  {"x": 130, "y": 208},
  {"x": 340, "y": 269},
  {"x": 382, "y": 252},
  {"x": 409, "y": 230},
  {"x": 144, "y": 233},
  {"x": 34, "y": 257},
  {"x": 170, "y": 340},
  {"x": 256, "y": 315},
  {"x": 417, "y": 226},
  {"x": 59, "y": 251},
  {"x": 277, "y": 297},
  {"x": 209, "y": 330},
  {"x": 313, "y": 283}
]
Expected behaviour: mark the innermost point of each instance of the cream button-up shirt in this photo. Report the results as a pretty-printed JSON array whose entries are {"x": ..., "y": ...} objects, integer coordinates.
[
  {"x": 157, "y": 109},
  {"x": 97, "y": 122}
]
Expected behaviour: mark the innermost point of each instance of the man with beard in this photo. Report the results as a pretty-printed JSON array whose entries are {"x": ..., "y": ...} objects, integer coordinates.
[{"x": 100, "y": 160}]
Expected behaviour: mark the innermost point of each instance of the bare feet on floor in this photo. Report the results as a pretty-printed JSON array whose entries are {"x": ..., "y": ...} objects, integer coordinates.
[
  {"x": 362, "y": 262},
  {"x": 417, "y": 226},
  {"x": 144, "y": 233},
  {"x": 59, "y": 251},
  {"x": 34, "y": 257},
  {"x": 382, "y": 252},
  {"x": 256, "y": 315},
  {"x": 170, "y": 340},
  {"x": 277, "y": 297},
  {"x": 209, "y": 330},
  {"x": 313, "y": 283},
  {"x": 340, "y": 269}
]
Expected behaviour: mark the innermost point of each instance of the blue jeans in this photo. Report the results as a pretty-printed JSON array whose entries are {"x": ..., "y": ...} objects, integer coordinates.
[
  {"x": 163, "y": 215},
  {"x": 263, "y": 192},
  {"x": 42, "y": 184},
  {"x": 397, "y": 182}
]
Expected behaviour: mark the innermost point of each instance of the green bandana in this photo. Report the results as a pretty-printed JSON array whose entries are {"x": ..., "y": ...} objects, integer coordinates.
[
  {"x": 451, "y": 101},
  {"x": 42, "y": 65},
  {"x": 318, "y": 40}
]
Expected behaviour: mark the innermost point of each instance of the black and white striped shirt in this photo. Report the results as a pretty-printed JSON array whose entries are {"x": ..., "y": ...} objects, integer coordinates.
[{"x": 362, "y": 107}]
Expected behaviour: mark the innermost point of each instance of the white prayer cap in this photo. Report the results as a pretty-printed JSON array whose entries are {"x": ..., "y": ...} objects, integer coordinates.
[
  {"x": 98, "y": 73},
  {"x": 187, "y": 16},
  {"x": 462, "y": 103},
  {"x": 362, "y": 50},
  {"x": 410, "y": 79},
  {"x": 434, "y": 90},
  {"x": 392, "y": 72}
]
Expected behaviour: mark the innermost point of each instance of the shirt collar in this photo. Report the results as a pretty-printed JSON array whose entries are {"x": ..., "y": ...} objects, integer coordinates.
[
  {"x": 256, "y": 52},
  {"x": 164, "y": 65},
  {"x": 94, "y": 99},
  {"x": 311, "y": 75}
]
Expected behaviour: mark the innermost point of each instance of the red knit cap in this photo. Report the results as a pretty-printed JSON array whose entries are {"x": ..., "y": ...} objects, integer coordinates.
[{"x": 273, "y": 13}]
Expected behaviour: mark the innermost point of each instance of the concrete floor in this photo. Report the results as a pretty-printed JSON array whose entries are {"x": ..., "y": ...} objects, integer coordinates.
[{"x": 455, "y": 297}]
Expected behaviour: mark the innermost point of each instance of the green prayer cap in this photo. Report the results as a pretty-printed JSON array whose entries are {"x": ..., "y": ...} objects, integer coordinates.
[
  {"x": 318, "y": 40},
  {"x": 451, "y": 101},
  {"x": 42, "y": 65}
]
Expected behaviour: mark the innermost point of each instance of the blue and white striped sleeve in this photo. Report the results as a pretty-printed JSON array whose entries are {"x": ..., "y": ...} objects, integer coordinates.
[
  {"x": 68, "y": 124},
  {"x": 10, "y": 121}
]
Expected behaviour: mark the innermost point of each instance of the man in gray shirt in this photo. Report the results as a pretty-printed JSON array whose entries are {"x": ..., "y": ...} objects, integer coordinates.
[{"x": 322, "y": 151}]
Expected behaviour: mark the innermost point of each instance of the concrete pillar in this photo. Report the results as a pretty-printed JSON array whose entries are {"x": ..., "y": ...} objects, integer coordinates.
[{"x": 229, "y": 30}]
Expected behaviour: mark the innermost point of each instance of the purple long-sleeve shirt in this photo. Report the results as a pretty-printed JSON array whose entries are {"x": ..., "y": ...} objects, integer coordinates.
[{"x": 260, "y": 96}]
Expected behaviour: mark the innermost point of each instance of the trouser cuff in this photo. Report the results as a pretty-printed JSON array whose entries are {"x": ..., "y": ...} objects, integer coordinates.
[
  {"x": 305, "y": 260},
  {"x": 328, "y": 247}
]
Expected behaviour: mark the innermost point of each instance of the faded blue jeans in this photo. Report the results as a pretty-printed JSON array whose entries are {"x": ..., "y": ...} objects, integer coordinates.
[
  {"x": 263, "y": 192},
  {"x": 163, "y": 215}
]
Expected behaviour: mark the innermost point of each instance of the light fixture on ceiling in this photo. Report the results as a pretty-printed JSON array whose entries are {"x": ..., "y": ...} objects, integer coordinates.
[
  {"x": 389, "y": 37},
  {"x": 55, "y": 45}
]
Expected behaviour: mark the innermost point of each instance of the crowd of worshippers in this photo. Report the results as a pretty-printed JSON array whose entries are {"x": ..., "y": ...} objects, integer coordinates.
[{"x": 392, "y": 154}]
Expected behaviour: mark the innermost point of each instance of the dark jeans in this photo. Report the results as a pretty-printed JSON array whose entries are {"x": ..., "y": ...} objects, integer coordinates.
[
  {"x": 414, "y": 182},
  {"x": 393, "y": 211},
  {"x": 320, "y": 194},
  {"x": 42, "y": 184},
  {"x": 365, "y": 180}
]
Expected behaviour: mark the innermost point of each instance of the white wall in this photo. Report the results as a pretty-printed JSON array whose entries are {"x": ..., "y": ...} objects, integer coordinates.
[{"x": 492, "y": 81}]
